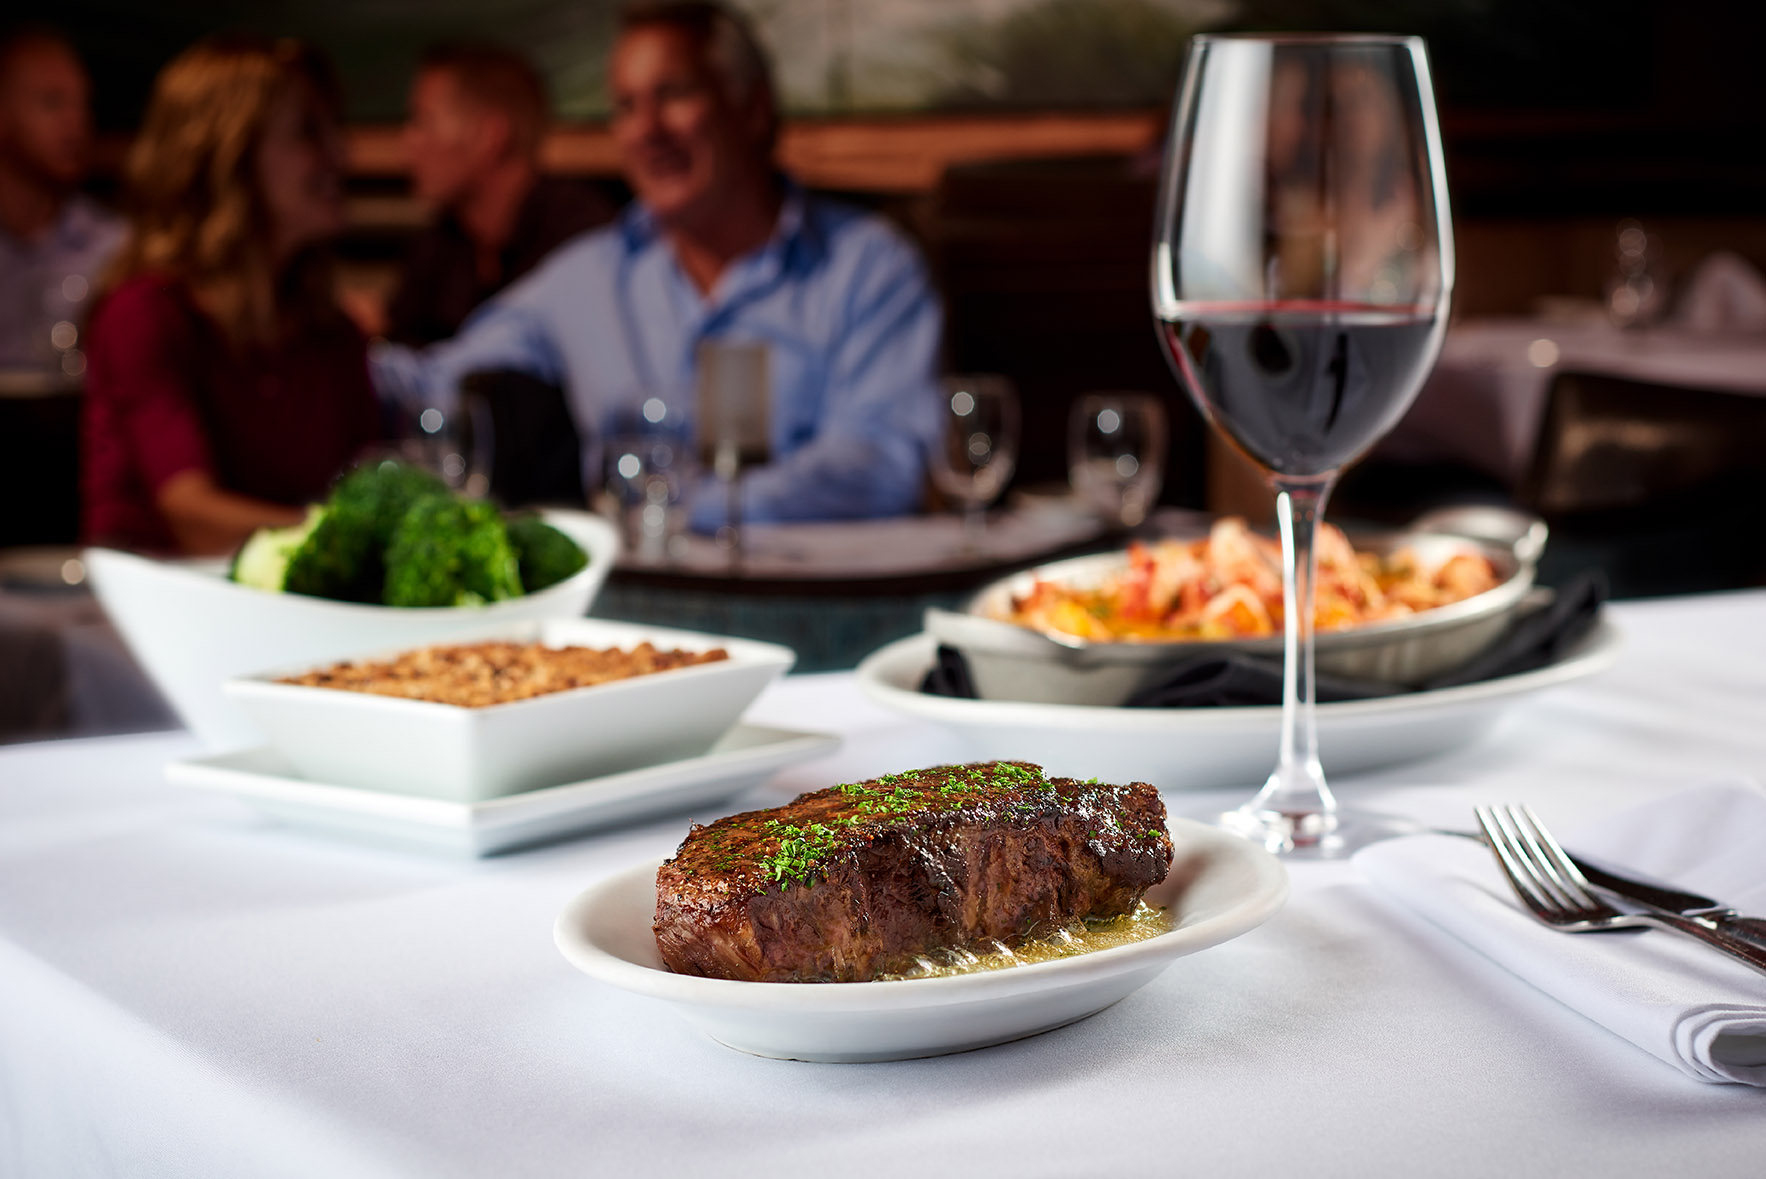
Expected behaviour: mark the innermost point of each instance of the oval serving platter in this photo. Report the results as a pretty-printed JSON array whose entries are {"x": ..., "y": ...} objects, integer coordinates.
[{"x": 1219, "y": 887}]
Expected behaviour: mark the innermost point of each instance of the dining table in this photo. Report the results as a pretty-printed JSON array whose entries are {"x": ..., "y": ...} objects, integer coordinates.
[
  {"x": 1484, "y": 404},
  {"x": 835, "y": 590},
  {"x": 189, "y": 989}
]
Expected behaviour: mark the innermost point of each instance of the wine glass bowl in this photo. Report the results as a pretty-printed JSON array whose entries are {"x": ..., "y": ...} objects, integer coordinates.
[
  {"x": 1116, "y": 454},
  {"x": 977, "y": 449},
  {"x": 1302, "y": 267}
]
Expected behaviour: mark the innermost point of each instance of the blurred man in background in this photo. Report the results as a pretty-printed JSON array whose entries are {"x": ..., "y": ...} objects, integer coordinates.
[
  {"x": 718, "y": 246},
  {"x": 478, "y": 117},
  {"x": 53, "y": 240}
]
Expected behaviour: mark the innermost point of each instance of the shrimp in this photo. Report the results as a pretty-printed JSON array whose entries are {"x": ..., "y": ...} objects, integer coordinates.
[{"x": 1235, "y": 558}]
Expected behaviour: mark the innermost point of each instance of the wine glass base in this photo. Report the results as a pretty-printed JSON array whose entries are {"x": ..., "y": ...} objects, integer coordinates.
[{"x": 1312, "y": 835}]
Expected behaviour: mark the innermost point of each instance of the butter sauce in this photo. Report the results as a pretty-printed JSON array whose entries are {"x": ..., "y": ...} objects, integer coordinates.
[{"x": 1082, "y": 937}]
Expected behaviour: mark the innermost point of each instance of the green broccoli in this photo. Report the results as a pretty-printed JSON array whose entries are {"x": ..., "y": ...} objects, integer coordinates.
[
  {"x": 545, "y": 555},
  {"x": 264, "y": 560},
  {"x": 450, "y": 552},
  {"x": 382, "y": 492}
]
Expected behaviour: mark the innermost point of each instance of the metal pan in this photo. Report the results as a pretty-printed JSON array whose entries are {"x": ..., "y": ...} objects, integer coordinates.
[{"x": 1012, "y": 662}]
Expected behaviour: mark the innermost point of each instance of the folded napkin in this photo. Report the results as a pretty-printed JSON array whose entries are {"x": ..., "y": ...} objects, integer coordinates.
[
  {"x": 1671, "y": 996},
  {"x": 1230, "y": 680},
  {"x": 1724, "y": 296}
]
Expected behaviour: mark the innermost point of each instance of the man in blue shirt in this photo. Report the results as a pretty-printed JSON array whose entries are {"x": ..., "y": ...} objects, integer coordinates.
[{"x": 717, "y": 246}]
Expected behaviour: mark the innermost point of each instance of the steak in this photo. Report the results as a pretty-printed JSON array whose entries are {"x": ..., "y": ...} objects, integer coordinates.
[{"x": 844, "y": 884}]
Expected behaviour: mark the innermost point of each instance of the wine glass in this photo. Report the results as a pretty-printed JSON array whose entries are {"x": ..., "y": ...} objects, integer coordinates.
[
  {"x": 977, "y": 449},
  {"x": 1116, "y": 454},
  {"x": 458, "y": 445},
  {"x": 1302, "y": 267}
]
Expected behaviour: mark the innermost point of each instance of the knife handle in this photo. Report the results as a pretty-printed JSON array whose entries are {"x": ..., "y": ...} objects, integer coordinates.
[
  {"x": 1735, "y": 947},
  {"x": 1749, "y": 929}
]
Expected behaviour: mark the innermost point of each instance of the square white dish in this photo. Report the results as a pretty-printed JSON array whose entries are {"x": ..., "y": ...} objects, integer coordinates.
[
  {"x": 456, "y": 754},
  {"x": 745, "y": 757}
]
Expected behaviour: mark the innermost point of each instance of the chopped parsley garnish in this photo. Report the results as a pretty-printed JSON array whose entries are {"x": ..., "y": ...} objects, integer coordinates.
[{"x": 803, "y": 848}]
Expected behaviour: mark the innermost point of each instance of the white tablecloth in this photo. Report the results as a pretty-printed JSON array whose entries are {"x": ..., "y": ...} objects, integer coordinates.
[
  {"x": 186, "y": 990},
  {"x": 1485, "y": 401}
]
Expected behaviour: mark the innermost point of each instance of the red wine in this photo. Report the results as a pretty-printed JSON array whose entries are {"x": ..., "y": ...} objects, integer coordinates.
[{"x": 1302, "y": 387}]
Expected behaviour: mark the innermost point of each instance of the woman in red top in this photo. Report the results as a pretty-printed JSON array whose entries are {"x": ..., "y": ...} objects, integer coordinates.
[{"x": 224, "y": 387}]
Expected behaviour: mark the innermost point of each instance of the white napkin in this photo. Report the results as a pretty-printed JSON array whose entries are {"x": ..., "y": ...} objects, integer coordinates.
[
  {"x": 1671, "y": 996},
  {"x": 1724, "y": 296}
]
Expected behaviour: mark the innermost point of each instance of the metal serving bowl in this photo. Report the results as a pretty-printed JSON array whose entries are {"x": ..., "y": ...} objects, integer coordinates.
[{"x": 1013, "y": 662}]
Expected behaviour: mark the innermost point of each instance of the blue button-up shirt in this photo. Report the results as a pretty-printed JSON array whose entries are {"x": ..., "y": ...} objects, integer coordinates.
[{"x": 839, "y": 298}]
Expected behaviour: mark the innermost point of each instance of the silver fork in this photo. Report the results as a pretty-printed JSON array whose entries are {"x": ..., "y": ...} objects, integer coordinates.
[{"x": 1552, "y": 888}]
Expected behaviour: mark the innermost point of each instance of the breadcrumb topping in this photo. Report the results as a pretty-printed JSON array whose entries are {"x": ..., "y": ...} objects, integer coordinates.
[{"x": 475, "y": 675}]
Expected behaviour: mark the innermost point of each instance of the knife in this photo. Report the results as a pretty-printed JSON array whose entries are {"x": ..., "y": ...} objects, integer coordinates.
[{"x": 1654, "y": 895}]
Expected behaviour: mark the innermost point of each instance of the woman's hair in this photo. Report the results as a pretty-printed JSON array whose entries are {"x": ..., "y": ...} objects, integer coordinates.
[{"x": 195, "y": 205}]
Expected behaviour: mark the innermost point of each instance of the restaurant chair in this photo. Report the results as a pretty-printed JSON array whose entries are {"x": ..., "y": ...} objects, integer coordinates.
[
  {"x": 1658, "y": 483},
  {"x": 39, "y": 463},
  {"x": 536, "y": 452}
]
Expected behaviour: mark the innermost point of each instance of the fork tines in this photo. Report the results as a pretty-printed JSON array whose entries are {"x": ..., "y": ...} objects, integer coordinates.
[{"x": 1536, "y": 866}]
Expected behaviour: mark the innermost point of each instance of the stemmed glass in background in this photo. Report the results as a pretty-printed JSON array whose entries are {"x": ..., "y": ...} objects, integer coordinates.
[
  {"x": 977, "y": 449},
  {"x": 459, "y": 445},
  {"x": 1302, "y": 267},
  {"x": 1116, "y": 454},
  {"x": 734, "y": 423}
]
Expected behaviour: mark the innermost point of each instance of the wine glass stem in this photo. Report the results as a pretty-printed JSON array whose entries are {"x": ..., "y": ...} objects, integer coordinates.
[
  {"x": 1297, "y": 789},
  {"x": 974, "y": 524}
]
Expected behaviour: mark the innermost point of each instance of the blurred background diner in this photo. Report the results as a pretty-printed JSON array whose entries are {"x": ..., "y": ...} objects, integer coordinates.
[{"x": 741, "y": 276}]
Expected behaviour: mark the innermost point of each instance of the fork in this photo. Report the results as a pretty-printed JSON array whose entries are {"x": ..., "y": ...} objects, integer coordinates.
[{"x": 1557, "y": 893}]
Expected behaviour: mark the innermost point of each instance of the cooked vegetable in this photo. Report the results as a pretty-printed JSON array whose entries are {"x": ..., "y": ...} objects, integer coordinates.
[
  {"x": 381, "y": 493},
  {"x": 545, "y": 555},
  {"x": 263, "y": 561},
  {"x": 395, "y": 534},
  {"x": 450, "y": 552}
]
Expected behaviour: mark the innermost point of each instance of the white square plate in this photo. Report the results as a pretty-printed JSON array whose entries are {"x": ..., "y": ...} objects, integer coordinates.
[
  {"x": 456, "y": 754},
  {"x": 745, "y": 757}
]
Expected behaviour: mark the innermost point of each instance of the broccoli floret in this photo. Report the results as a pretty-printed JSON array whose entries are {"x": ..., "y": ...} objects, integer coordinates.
[
  {"x": 263, "y": 561},
  {"x": 338, "y": 560},
  {"x": 449, "y": 552},
  {"x": 381, "y": 493},
  {"x": 345, "y": 559},
  {"x": 545, "y": 555}
]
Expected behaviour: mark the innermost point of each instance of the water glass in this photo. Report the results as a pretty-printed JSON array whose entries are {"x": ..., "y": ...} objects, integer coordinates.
[
  {"x": 735, "y": 422},
  {"x": 1116, "y": 454},
  {"x": 647, "y": 467}
]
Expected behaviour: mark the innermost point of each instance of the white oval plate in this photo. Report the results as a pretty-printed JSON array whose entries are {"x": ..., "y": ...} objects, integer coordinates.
[
  {"x": 1219, "y": 887},
  {"x": 1206, "y": 748}
]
